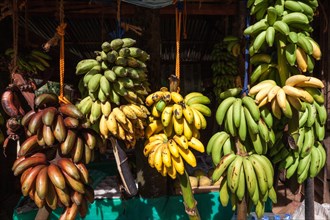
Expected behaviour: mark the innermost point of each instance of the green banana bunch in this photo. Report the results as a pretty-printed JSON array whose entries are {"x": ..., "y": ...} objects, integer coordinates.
[
  {"x": 117, "y": 74},
  {"x": 224, "y": 55},
  {"x": 111, "y": 81},
  {"x": 307, "y": 166},
  {"x": 32, "y": 62},
  {"x": 242, "y": 118},
  {"x": 249, "y": 177}
]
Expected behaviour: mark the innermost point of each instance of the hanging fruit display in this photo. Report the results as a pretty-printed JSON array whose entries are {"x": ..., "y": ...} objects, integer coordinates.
[
  {"x": 280, "y": 119},
  {"x": 33, "y": 62},
  {"x": 173, "y": 130},
  {"x": 225, "y": 64},
  {"x": 51, "y": 161},
  {"x": 114, "y": 87}
]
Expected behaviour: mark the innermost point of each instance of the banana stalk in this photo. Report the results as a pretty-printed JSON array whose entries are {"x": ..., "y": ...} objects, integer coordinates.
[
  {"x": 189, "y": 201},
  {"x": 282, "y": 66},
  {"x": 188, "y": 197}
]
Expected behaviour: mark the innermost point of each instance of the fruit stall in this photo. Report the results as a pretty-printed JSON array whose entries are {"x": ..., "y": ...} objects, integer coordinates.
[{"x": 133, "y": 109}]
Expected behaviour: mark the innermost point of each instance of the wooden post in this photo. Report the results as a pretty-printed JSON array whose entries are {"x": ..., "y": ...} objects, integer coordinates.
[{"x": 309, "y": 199}]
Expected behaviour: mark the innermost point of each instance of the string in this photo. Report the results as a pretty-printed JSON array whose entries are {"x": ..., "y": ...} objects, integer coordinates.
[
  {"x": 119, "y": 32},
  {"x": 61, "y": 32},
  {"x": 178, "y": 15},
  {"x": 246, "y": 62}
]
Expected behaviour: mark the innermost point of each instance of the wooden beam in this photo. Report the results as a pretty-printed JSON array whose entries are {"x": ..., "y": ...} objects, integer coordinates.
[{"x": 129, "y": 9}]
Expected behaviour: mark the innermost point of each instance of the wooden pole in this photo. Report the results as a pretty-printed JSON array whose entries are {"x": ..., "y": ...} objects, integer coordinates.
[{"x": 309, "y": 199}]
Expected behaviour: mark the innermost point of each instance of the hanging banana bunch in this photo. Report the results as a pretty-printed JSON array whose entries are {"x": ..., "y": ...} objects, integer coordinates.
[
  {"x": 33, "y": 62},
  {"x": 51, "y": 161},
  {"x": 224, "y": 56},
  {"x": 173, "y": 130},
  {"x": 252, "y": 139},
  {"x": 114, "y": 87}
]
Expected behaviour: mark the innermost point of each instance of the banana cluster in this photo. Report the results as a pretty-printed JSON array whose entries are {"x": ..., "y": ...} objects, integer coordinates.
[
  {"x": 167, "y": 155},
  {"x": 306, "y": 161},
  {"x": 126, "y": 122},
  {"x": 248, "y": 177},
  {"x": 177, "y": 120},
  {"x": 177, "y": 115},
  {"x": 241, "y": 118},
  {"x": 290, "y": 21},
  {"x": 297, "y": 92},
  {"x": 61, "y": 183},
  {"x": 118, "y": 72},
  {"x": 224, "y": 56},
  {"x": 58, "y": 127},
  {"x": 32, "y": 62}
]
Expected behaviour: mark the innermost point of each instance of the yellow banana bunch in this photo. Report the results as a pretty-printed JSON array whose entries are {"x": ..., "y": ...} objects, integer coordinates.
[
  {"x": 298, "y": 90},
  {"x": 126, "y": 123},
  {"x": 167, "y": 155},
  {"x": 177, "y": 115}
]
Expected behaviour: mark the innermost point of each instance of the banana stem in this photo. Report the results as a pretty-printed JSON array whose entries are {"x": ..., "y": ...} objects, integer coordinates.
[
  {"x": 240, "y": 148},
  {"x": 43, "y": 213},
  {"x": 188, "y": 197},
  {"x": 242, "y": 209},
  {"x": 282, "y": 66}
]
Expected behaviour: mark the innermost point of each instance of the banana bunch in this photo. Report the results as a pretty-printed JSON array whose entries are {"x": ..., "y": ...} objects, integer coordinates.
[
  {"x": 224, "y": 55},
  {"x": 32, "y": 62},
  {"x": 167, "y": 155},
  {"x": 302, "y": 51},
  {"x": 307, "y": 163},
  {"x": 241, "y": 118},
  {"x": 118, "y": 72},
  {"x": 290, "y": 21},
  {"x": 297, "y": 92},
  {"x": 248, "y": 176},
  {"x": 61, "y": 183},
  {"x": 60, "y": 127},
  {"x": 175, "y": 122},
  {"x": 126, "y": 122},
  {"x": 176, "y": 114}
]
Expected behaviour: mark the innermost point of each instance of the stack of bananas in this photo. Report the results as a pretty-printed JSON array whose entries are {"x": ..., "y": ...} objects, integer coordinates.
[
  {"x": 224, "y": 56},
  {"x": 118, "y": 71},
  {"x": 238, "y": 151},
  {"x": 51, "y": 160},
  {"x": 240, "y": 176},
  {"x": 174, "y": 128},
  {"x": 116, "y": 83},
  {"x": 299, "y": 90},
  {"x": 33, "y": 62},
  {"x": 289, "y": 21},
  {"x": 309, "y": 156},
  {"x": 60, "y": 183},
  {"x": 241, "y": 118},
  {"x": 56, "y": 127}
]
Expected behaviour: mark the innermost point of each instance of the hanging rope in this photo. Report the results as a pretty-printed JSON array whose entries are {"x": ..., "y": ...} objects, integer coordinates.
[
  {"x": 178, "y": 15},
  {"x": 246, "y": 63},
  {"x": 61, "y": 32},
  {"x": 119, "y": 32}
]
